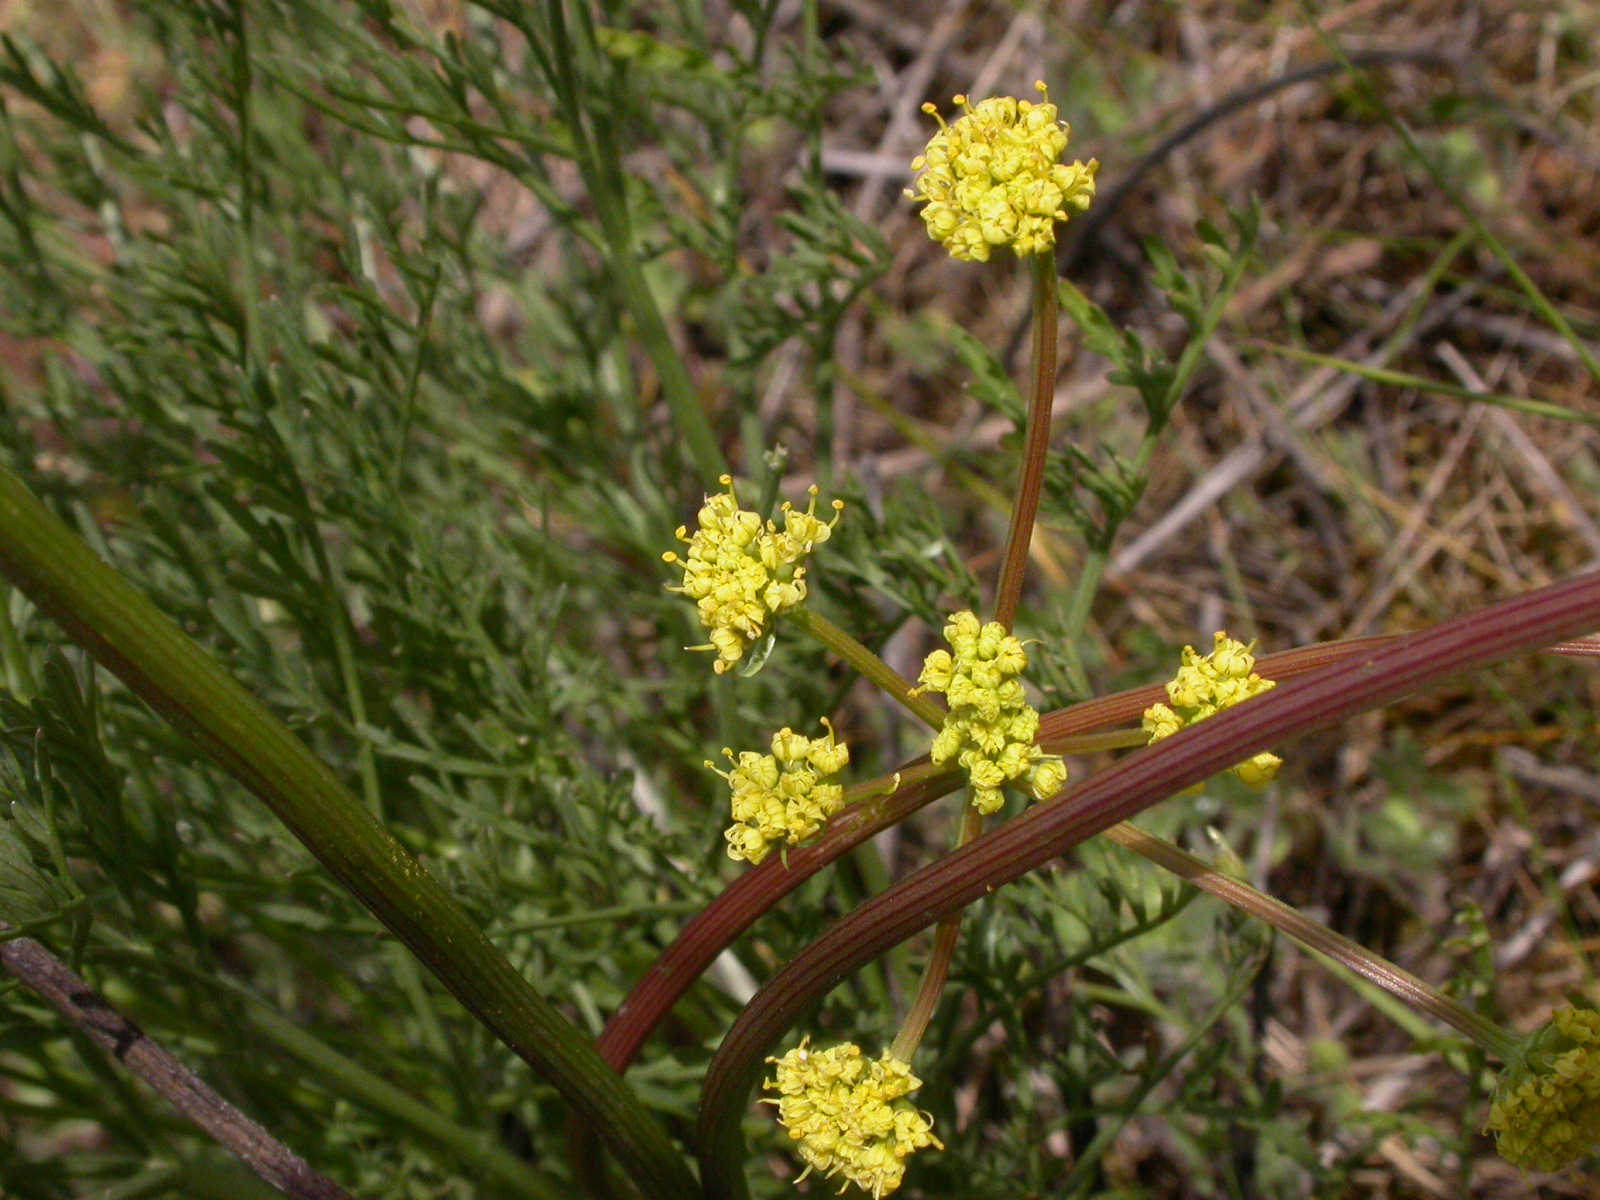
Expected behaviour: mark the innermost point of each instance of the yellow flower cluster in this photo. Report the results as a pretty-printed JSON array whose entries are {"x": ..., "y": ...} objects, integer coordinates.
[
  {"x": 781, "y": 796},
  {"x": 1205, "y": 686},
  {"x": 742, "y": 571},
  {"x": 995, "y": 178},
  {"x": 1546, "y": 1110},
  {"x": 991, "y": 726},
  {"x": 849, "y": 1115}
]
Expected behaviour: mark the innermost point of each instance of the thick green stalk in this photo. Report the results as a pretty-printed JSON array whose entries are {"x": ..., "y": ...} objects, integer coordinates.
[
  {"x": 1417, "y": 993},
  {"x": 127, "y": 634},
  {"x": 1036, "y": 443}
]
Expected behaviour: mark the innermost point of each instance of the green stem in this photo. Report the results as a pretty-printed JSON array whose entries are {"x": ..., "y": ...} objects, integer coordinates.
[
  {"x": 348, "y": 1078},
  {"x": 1422, "y": 996},
  {"x": 616, "y": 912},
  {"x": 126, "y": 633},
  {"x": 349, "y": 677},
  {"x": 868, "y": 664},
  {"x": 1094, "y": 743},
  {"x": 937, "y": 969},
  {"x": 688, "y": 415},
  {"x": 19, "y": 671},
  {"x": 1036, "y": 441},
  {"x": 243, "y": 82},
  {"x": 1075, "y": 616},
  {"x": 157, "y": 1181}
]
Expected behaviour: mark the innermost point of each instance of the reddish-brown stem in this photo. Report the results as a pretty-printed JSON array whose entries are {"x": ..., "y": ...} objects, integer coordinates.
[
  {"x": 710, "y": 931},
  {"x": 1417, "y": 993},
  {"x": 940, "y": 957},
  {"x": 1361, "y": 682},
  {"x": 743, "y": 902},
  {"x": 1036, "y": 444},
  {"x": 1008, "y": 595}
]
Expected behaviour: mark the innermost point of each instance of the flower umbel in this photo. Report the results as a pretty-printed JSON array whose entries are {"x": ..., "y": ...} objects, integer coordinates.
[
  {"x": 781, "y": 796},
  {"x": 741, "y": 572},
  {"x": 849, "y": 1114},
  {"x": 1206, "y": 686},
  {"x": 1546, "y": 1110},
  {"x": 995, "y": 178},
  {"x": 991, "y": 726}
]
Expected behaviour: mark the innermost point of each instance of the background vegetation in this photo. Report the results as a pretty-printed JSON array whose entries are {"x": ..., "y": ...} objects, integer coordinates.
[{"x": 370, "y": 341}]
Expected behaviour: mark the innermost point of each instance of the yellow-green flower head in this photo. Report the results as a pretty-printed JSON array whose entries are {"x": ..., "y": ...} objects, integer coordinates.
[
  {"x": 1206, "y": 686},
  {"x": 780, "y": 797},
  {"x": 849, "y": 1114},
  {"x": 995, "y": 178},
  {"x": 1546, "y": 1110},
  {"x": 991, "y": 726},
  {"x": 741, "y": 572}
]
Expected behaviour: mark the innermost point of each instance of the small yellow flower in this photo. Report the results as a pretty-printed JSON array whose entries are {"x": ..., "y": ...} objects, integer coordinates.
[
  {"x": 991, "y": 726},
  {"x": 849, "y": 1114},
  {"x": 1206, "y": 686},
  {"x": 995, "y": 178},
  {"x": 781, "y": 796},
  {"x": 1546, "y": 1110},
  {"x": 741, "y": 572}
]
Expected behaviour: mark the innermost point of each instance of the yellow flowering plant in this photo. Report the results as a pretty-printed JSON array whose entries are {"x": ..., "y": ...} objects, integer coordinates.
[
  {"x": 990, "y": 728},
  {"x": 1546, "y": 1109},
  {"x": 398, "y": 575},
  {"x": 742, "y": 571},
  {"x": 1205, "y": 686},
  {"x": 991, "y": 179},
  {"x": 782, "y": 796},
  {"x": 849, "y": 1114},
  {"x": 995, "y": 178}
]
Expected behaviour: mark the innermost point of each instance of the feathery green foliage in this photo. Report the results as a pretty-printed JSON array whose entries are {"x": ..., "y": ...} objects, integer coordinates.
[{"x": 383, "y": 349}]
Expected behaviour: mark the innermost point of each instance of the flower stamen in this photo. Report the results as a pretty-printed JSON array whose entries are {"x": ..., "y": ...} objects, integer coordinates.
[
  {"x": 849, "y": 1114},
  {"x": 990, "y": 728},
  {"x": 780, "y": 797},
  {"x": 995, "y": 177},
  {"x": 741, "y": 572},
  {"x": 1204, "y": 687}
]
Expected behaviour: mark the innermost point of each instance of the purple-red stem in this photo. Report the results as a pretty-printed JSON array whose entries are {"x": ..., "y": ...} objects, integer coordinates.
[
  {"x": 714, "y": 928},
  {"x": 742, "y": 903},
  {"x": 1036, "y": 446},
  {"x": 1363, "y": 681}
]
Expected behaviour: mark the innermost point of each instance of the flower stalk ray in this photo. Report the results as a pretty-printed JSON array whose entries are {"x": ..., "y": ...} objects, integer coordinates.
[{"x": 1367, "y": 680}]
